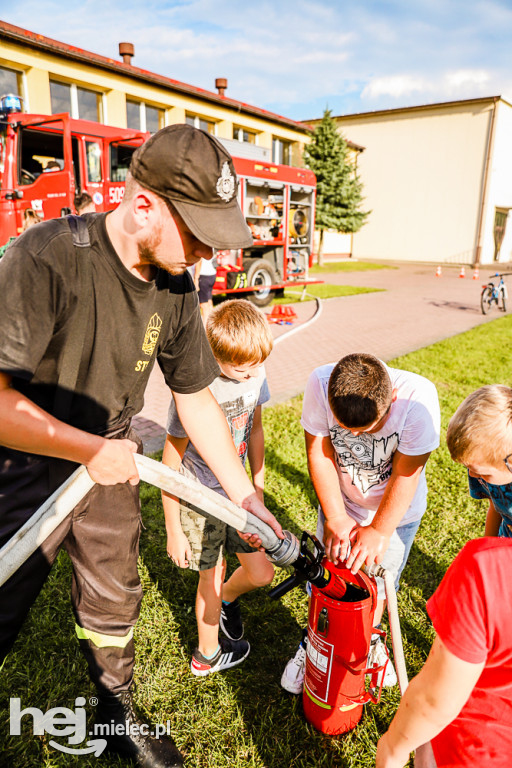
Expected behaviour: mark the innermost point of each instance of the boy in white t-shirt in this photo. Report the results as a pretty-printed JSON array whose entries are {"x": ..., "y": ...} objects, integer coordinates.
[{"x": 369, "y": 431}]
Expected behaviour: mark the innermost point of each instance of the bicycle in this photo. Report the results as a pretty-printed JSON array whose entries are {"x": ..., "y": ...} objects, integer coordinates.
[{"x": 494, "y": 294}]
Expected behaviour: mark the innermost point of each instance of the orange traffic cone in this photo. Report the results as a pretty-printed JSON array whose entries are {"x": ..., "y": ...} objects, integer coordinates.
[
  {"x": 438, "y": 272},
  {"x": 462, "y": 272},
  {"x": 476, "y": 274}
]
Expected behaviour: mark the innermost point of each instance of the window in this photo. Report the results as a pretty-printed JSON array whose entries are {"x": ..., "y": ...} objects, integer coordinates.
[
  {"x": 142, "y": 117},
  {"x": 154, "y": 119},
  {"x": 79, "y": 102},
  {"x": 93, "y": 154},
  {"x": 133, "y": 115},
  {"x": 242, "y": 134},
  {"x": 10, "y": 81},
  {"x": 281, "y": 151},
  {"x": 201, "y": 123},
  {"x": 120, "y": 159},
  {"x": 89, "y": 105},
  {"x": 60, "y": 95},
  {"x": 40, "y": 151}
]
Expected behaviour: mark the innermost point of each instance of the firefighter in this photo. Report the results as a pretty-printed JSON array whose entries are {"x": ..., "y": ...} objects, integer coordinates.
[{"x": 89, "y": 303}]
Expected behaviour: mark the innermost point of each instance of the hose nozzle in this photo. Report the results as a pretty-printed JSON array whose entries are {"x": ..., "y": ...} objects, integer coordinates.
[
  {"x": 307, "y": 565},
  {"x": 286, "y": 551}
]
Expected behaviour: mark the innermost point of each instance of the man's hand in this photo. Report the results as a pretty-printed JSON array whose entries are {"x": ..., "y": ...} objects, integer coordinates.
[
  {"x": 113, "y": 463},
  {"x": 254, "y": 505},
  {"x": 337, "y": 537},
  {"x": 178, "y": 549},
  {"x": 368, "y": 547}
]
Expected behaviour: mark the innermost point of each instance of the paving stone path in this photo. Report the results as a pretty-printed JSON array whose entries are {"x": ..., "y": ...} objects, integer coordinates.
[{"x": 415, "y": 309}]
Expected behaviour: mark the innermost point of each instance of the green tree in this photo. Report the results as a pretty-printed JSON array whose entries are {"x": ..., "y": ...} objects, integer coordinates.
[{"x": 339, "y": 188}]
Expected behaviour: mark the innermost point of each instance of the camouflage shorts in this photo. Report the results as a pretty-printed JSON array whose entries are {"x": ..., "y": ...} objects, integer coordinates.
[{"x": 210, "y": 539}]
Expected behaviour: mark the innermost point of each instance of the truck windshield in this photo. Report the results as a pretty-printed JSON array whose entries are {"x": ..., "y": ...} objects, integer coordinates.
[
  {"x": 39, "y": 152},
  {"x": 120, "y": 158}
]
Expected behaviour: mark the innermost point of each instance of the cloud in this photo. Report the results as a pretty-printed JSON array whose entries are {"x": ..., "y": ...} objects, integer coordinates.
[
  {"x": 395, "y": 86},
  {"x": 467, "y": 77},
  {"x": 444, "y": 86}
]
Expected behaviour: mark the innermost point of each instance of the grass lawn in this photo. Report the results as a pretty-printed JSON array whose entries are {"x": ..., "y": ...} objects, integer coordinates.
[
  {"x": 322, "y": 291},
  {"x": 243, "y": 717},
  {"x": 347, "y": 266}
]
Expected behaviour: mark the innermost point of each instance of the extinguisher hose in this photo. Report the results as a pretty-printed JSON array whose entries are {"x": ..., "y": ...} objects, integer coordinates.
[
  {"x": 394, "y": 623},
  {"x": 45, "y": 520}
]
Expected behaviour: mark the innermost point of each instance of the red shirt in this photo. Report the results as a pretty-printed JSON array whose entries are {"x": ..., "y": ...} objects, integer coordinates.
[{"x": 472, "y": 614}]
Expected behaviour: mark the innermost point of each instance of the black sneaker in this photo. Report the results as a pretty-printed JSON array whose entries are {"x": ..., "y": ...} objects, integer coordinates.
[
  {"x": 229, "y": 655},
  {"x": 231, "y": 620}
]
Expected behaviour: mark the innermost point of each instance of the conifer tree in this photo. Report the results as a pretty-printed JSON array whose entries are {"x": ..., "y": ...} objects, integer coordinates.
[{"x": 339, "y": 188}]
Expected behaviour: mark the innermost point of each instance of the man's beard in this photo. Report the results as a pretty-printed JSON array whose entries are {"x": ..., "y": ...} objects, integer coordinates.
[{"x": 147, "y": 255}]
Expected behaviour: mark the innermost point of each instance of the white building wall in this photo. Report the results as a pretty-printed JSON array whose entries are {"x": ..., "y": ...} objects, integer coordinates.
[
  {"x": 335, "y": 243},
  {"x": 422, "y": 172},
  {"x": 500, "y": 186}
]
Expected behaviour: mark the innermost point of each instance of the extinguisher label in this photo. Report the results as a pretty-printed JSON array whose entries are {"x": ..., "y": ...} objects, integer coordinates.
[{"x": 319, "y": 666}]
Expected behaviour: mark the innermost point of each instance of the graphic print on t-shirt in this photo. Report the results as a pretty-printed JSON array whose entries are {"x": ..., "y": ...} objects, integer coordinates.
[
  {"x": 367, "y": 459},
  {"x": 239, "y": 414},
  {"x": 152, "y": 334}
]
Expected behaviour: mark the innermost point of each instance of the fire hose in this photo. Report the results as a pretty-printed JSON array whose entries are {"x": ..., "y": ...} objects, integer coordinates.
[
  {"x": 289, "y": 551},
  {"x": 302, "y": 326}
]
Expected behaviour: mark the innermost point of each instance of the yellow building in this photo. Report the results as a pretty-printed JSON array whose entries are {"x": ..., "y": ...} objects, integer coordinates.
[
  {"x": 55, "y": 77},
  {"x": 438, "y": 180}
]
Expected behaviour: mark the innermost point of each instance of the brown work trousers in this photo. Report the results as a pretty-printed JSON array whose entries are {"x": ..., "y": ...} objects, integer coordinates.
[{"x": 101, "y": 537}]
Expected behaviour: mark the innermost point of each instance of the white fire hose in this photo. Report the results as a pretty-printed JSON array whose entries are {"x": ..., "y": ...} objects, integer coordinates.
[
  {"x": 394, "y": 623},
  {"x": 282, "y": 552},
  {"x": 50, "y": 514}
]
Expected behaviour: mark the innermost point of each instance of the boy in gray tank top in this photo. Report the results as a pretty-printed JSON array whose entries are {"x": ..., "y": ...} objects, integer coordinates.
[{"x": 241, "y": 341}]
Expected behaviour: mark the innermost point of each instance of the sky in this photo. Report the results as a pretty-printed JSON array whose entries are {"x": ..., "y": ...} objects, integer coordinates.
[{"x": 299, "y": 57}]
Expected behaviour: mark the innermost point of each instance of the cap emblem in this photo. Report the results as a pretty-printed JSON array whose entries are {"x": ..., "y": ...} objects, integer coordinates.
[{"x": 226, "y": 184}]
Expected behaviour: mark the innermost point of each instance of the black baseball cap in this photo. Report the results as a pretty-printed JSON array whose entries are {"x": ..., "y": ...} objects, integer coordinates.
[{"x": 194, "y": 171}]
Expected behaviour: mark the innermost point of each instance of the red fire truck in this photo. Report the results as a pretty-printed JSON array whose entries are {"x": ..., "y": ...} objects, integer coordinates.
[
  {"x": 278, "y": 202},
  {"x": 46, "y": 160}
]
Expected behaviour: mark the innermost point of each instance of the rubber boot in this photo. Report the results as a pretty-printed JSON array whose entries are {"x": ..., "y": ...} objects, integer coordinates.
[{"x": 144, "y": 749}]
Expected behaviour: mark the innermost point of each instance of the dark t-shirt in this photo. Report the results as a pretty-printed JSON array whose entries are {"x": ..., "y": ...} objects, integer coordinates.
[{"x": 131, "y": 323}]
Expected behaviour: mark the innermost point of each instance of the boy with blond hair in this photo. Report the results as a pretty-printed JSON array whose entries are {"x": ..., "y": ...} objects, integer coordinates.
[
  {"x": 241, "y": 341},
  {"x": 479, "y": 436}
]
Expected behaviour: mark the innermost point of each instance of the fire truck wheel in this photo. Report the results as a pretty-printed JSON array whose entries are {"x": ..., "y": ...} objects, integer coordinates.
[{"x": 260, "y": 273}]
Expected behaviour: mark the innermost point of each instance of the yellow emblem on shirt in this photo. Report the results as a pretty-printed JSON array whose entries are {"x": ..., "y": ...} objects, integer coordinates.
[{"x": 152, "y": 334}]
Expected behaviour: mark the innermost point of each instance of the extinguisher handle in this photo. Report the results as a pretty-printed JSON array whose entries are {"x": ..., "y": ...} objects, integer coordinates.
[{"x": 292, "y": 581}]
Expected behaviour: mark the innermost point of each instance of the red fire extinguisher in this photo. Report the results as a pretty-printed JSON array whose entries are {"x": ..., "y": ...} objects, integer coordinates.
[{"x": 340, "y": 626}]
